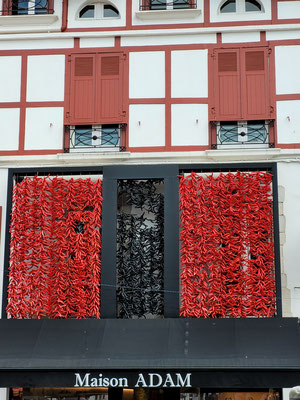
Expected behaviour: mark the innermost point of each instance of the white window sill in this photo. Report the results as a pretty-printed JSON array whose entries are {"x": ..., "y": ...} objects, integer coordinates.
[
  {"x": 27, "y": 20},
  {"x": 168, "y": 14}
]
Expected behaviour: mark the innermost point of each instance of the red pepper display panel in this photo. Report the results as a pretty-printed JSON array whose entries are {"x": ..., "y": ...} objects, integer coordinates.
[
  {"x": 227, "y": 249},
  {"x": 55, "y": 249}
]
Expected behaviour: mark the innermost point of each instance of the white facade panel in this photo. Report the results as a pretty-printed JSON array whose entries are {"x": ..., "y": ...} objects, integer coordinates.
[
  {"x": 10, "y": 71},
  {"x": 283, "y": 35},
  {"x": 240, "y": 37},
  {"x": 189, "y": 124},
  {"x": 98, "y": 21},
  {"x": 46, "y": 78},
  {"x": 289, "y": 178},
  {"x": 287, "y": 66},
  {"x": 165, "y": 17},
  {"x": 146, "y": 125},
  {"x": 288, "y": 121},
  {"x": 44, "y": 128},
  {"x": 156, "y": 40},
  {"x": 240, "y": 14},
  {"x": 147, "y": 74},
  {"x": 9, "y": 128},
  {"x": 288, "y": 9},
  {"x": 184, "y": 83},
  {"x": 32, "y": 44},
  {"x": 97, "y": 42}
]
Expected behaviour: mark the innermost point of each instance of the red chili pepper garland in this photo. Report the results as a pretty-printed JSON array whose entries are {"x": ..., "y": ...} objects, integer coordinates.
[
  {"x": 55, "y": 249},
  {"x": 227, "y": 249}
]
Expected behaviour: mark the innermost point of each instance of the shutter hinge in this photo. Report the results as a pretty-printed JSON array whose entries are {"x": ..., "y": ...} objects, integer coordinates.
[
  {"x": 269, "y": 51},
  {"x": 69, "y": 58},
  {"x": 124, "y": 57},
  {"x": 213, "y": 111},
  {"x": 123, "y": 113},
  {"x": 67, "y": 114},
  {"x": 213, "y": 54},
  {"x": 271, "y": 109}
]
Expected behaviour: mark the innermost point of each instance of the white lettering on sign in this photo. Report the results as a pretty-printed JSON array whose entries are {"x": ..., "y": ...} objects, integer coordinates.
[{"x": 143, "y": 380}]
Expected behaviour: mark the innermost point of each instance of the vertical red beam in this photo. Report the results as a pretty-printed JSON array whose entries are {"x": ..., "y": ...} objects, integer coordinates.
[
  {"x": 206, "y": 12},
  {"x": 64, "y": 18},
  {"x": 168, "y": 139},
  {"x": 129, "y": 13}
]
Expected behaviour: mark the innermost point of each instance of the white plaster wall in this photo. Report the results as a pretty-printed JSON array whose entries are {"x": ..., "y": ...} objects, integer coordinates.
[
  {"x": 9, "y": 128},
  {"x": 283, "y": 35},
  {"x": 288, "y": 121},
  {"x": 147, "y": 74},
  {"x": 289, "y": 178},
  {"x": 76, "y": 5},
  {"x": 162, "y": 39},
  {"x": 97, "y": 42},
  {"x": 189, "y": 124},
  {"x": 32, "y": 44},
  {"x": 3, "y": 195},
  {"x": 288, "y": 9},
  {"x": 216, "y": 16},
  {"x": 287, "y": 66},
  {"x": 46, "y": 78},
  {"x": 10, "y": 71},
  {"x": 162, "y": 20},
  {"x": 240, "y": 37},
  {"x": 146, "y": 125},
  {"x": 44, "y": 128},
  {"x": 182, "y": 83}
]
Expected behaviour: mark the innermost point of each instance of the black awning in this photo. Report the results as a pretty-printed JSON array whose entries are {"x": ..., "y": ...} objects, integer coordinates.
[{"x": 218, "y": 352}]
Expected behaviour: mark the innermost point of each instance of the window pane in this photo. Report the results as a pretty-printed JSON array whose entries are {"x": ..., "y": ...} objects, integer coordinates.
[
  {"x": 181, "y": 4},
  {"x": 41, "y": 7},
  {"x": 84, "y": 136},
  {"x": 158, "y": 4},
  {"x": 228, "y": 133},
  {"x": 110, "y": 11},
  {"x": 252, "y": 5},
  {"x": 228, "y": 6},
  {"x": 110, "y": 135},
  {"x": 20, "y": 7},
  {"x": 87, "y": 12},
  {"x": 257, "y": 132}
]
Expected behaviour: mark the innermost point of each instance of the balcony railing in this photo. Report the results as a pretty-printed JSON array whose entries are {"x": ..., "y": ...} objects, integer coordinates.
[
  {"x": 146, "y": 5},
  {"x": 250, "y": 134},
  {"x": 29, "y": 7},
  {"x": 95, "y": 138}
]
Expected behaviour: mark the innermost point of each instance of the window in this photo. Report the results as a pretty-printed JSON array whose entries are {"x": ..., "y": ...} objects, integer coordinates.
[
  {"x": 239, "y": 133},
  {"x": 241, "y": 85},
  {"x": 240, "y": 6},
  {"x": 96, "y": 89},
  {"x": 167, "y": 5},
  {"x": 99, "y": 11},
  {"x": 95, "y": 137},
  {"x": 29, "y": 7}
]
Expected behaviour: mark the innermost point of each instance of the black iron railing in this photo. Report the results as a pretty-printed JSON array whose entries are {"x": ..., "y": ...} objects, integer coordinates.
[
  {"x": 20, "y": 7},
  {"x": 166, "y": 5},
  {"x": 245, "y": 133},
  {"x": 102, "y": 138}
]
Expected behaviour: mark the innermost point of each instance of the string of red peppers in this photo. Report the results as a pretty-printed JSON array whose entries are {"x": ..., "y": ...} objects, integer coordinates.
[
  {"x": 227, "y": 256},
  {"x": 55, "y": 249}
]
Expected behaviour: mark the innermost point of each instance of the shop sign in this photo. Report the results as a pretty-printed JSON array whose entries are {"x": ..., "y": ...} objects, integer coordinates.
[{"x": 142, "y": 380}]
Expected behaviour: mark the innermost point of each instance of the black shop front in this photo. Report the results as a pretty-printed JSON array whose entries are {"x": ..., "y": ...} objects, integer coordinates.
[{"x": 188, "y": 359}]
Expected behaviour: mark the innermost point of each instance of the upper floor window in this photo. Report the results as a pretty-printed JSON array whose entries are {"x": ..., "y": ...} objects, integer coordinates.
[
  {"x": 29, "y": 7},
  {"x": 240, "y": 6},
  {"x": 99, "y": 11},
  {"x": 167, "y": 5}
]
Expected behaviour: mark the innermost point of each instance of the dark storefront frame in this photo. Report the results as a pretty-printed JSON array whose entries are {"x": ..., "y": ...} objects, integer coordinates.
[{"x": 30, "y": 364}]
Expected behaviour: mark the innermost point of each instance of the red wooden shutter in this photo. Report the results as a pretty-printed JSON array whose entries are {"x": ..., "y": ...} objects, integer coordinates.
[
  {"x": 109, "y": 88},
  {"x": 82, "y": 91},
  {"x": 227, "y": 85},
  {"x": 255, "y": 84}
]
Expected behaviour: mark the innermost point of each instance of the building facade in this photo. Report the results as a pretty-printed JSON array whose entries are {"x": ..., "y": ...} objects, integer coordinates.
[{"x": 150, "y": 202}]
